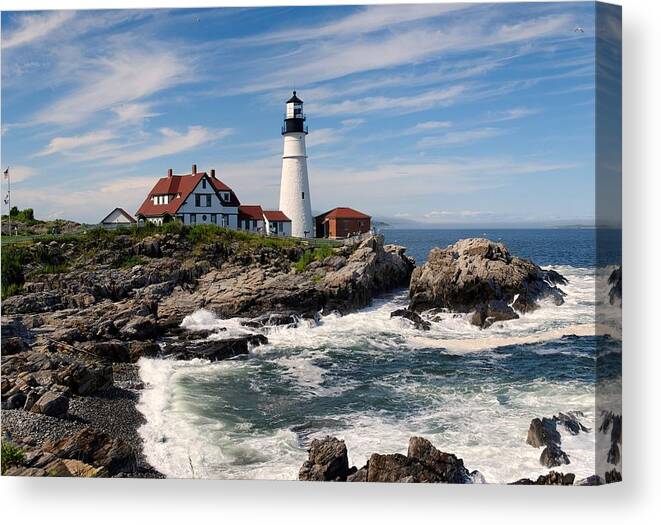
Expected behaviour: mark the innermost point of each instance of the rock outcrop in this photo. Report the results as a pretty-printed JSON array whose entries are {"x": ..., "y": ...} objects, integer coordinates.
[
  {"x": 327, "y": 461},
  {"x": 418, "y": 322},
  {"x": 612, "y": 424},
  {"x": 342, "y": 282},
  {"x": 544, "y": 433},
  {"x": 552, "y": 478},
  {"x": 481, "y": 276},
  {"x": 615, "y": 282},
  {"x": 119, "y": 296}
]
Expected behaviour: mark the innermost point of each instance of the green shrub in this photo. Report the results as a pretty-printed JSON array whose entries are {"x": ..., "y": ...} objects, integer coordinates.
[
  {"x": 11, "y": 455},
  {"x": 318, "y": 254},
  {"x": 13, "y": 259}
]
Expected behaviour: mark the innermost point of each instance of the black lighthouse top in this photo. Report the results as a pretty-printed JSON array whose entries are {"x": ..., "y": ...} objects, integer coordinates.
[
  {"x": 294, "y": 98},
  {"x": 294, "y": 116}
]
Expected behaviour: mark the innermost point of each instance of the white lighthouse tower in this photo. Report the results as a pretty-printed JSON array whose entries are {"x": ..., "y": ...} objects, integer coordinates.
[{"x": 294, "y": 186}]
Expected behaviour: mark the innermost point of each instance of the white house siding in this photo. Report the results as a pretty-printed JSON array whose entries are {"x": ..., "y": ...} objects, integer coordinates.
[
  {"x": 278, "y": 228},
  {"x": 251, "y": 225},
  {"x": 294, "y": 186},
  {"x": 203, "y": 214},
  {"x": 116, "y": 219}
]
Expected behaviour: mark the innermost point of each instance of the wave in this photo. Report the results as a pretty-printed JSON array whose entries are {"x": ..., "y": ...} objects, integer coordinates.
[{"x": 363, "y": 378}]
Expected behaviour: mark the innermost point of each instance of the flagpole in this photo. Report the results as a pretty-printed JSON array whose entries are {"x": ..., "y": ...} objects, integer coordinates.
[{"x": 9, "y": 199}]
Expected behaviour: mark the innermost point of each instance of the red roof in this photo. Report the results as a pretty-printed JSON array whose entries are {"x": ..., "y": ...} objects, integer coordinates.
[
  {"x": 343, "y": 213},
  {"x": 276, "y": 215},
  {"x": 251, "y": 212},
  {"x": 179, "y": 187}
]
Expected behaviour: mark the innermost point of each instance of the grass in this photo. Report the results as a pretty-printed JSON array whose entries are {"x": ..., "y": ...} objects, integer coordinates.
[
  {"x": 11, "y": 455},
  {"x": 318, "y": 254}
]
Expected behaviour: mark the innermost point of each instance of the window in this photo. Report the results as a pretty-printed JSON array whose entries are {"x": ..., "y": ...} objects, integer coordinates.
[
  {"x": 204, "y": 184},
  {"x": 214, "y": 219},
  {"x": 303, "y": 195},
  {"x": 203, "y": 200},
  {"x": 204, "y": 218},
  {"x": 193, "y": 218},
  {"x": 254, "y": 225},
  {"x": 280, "y": 227}
]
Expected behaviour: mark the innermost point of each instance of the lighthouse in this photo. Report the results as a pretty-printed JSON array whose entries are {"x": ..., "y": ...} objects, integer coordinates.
[{"x": 294, "y": 186}]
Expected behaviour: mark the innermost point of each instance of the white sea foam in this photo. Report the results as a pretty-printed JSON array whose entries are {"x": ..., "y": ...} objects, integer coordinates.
[{"x": 485, "y": 426}]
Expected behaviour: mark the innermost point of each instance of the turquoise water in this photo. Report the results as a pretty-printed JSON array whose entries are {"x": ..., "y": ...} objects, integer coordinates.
[{"x": 375, "y": 381}]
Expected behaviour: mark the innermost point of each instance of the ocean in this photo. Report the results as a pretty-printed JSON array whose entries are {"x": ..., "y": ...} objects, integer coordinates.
[{"x": 375, "y": 382}]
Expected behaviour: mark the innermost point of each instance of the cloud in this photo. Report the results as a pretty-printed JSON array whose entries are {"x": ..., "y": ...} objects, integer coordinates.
[
  {"x": 442, "y": 214},
  {"x": 404, "y": 104},
  {"x": 171, "y": 142},
  {"x": 511, "y": 114},
  {"x": 367, "y": 20},
  {"x": 346, "y": 56},
  {"x": 352, "y": 122},
  {"x": 88, "y": 204},
  {"x": 109, "y": 82},
  {"x": 76, "y": 142},
  {"x": 433, "y": 124},
  {"x": 318, "y": 137},
  {"x": 136, "y": 112},
  {"x": 459, "y": 137},
  {"x": 32, "y": 27}
]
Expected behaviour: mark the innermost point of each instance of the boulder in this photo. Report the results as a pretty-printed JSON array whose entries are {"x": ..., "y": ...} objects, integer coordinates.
[
  {"x": 139, "y": 328},
  {"x": 52, "y": 404},
  {"x": 418, "y": 322},
  {"x": 571, "y": 422},
  {"x": 14, "y": 345},
  {"x": 543, "y": 432},
  {"x": 327, "y": 461},
  {"x": 612, "y": 423},
  {"x": 214, "y": 350},
  {"x": 552, "y": 478},
  {"x": 96, "y": 449},
  {"x": 16, "y": 401},
  {"x": 486, "y": 314},
  {"x": 111, "y": 351},
  {"x": 272, "y": 319},
  {"x": 448, "y": 467},
  {"x": 615, "y": 281},
  {"x": 553, "y": 456},
  {"x": 590, "y": 481},
  {"x": 613, "y": 476},
  {"x": 138, "y": 349},
  {"x": 468, "y": 275}
]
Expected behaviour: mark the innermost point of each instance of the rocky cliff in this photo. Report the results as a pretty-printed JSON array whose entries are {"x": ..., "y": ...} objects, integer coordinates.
[
  {"x": 481, "y": 277},
  {"x": 76, "y": 311}
]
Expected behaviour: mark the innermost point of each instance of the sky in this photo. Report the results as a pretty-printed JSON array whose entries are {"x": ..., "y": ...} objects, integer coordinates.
[{"x": 436, "y": 115}]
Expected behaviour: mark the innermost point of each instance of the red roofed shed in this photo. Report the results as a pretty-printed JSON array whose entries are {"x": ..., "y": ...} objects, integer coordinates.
[{"x": 340, "y": 223}]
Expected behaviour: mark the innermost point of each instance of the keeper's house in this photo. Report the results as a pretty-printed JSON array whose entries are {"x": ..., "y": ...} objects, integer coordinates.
[
  {"x": 194, "y": 198},
  {"x": 340, "y": 223},
  {"x": 202, "y": 198}
]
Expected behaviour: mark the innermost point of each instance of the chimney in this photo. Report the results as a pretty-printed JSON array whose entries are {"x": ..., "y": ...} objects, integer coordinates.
[
  {"x": 169, "y": 172},
  {"x": 194, "y": 169},
  {"x": 213, "y": 173}
]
